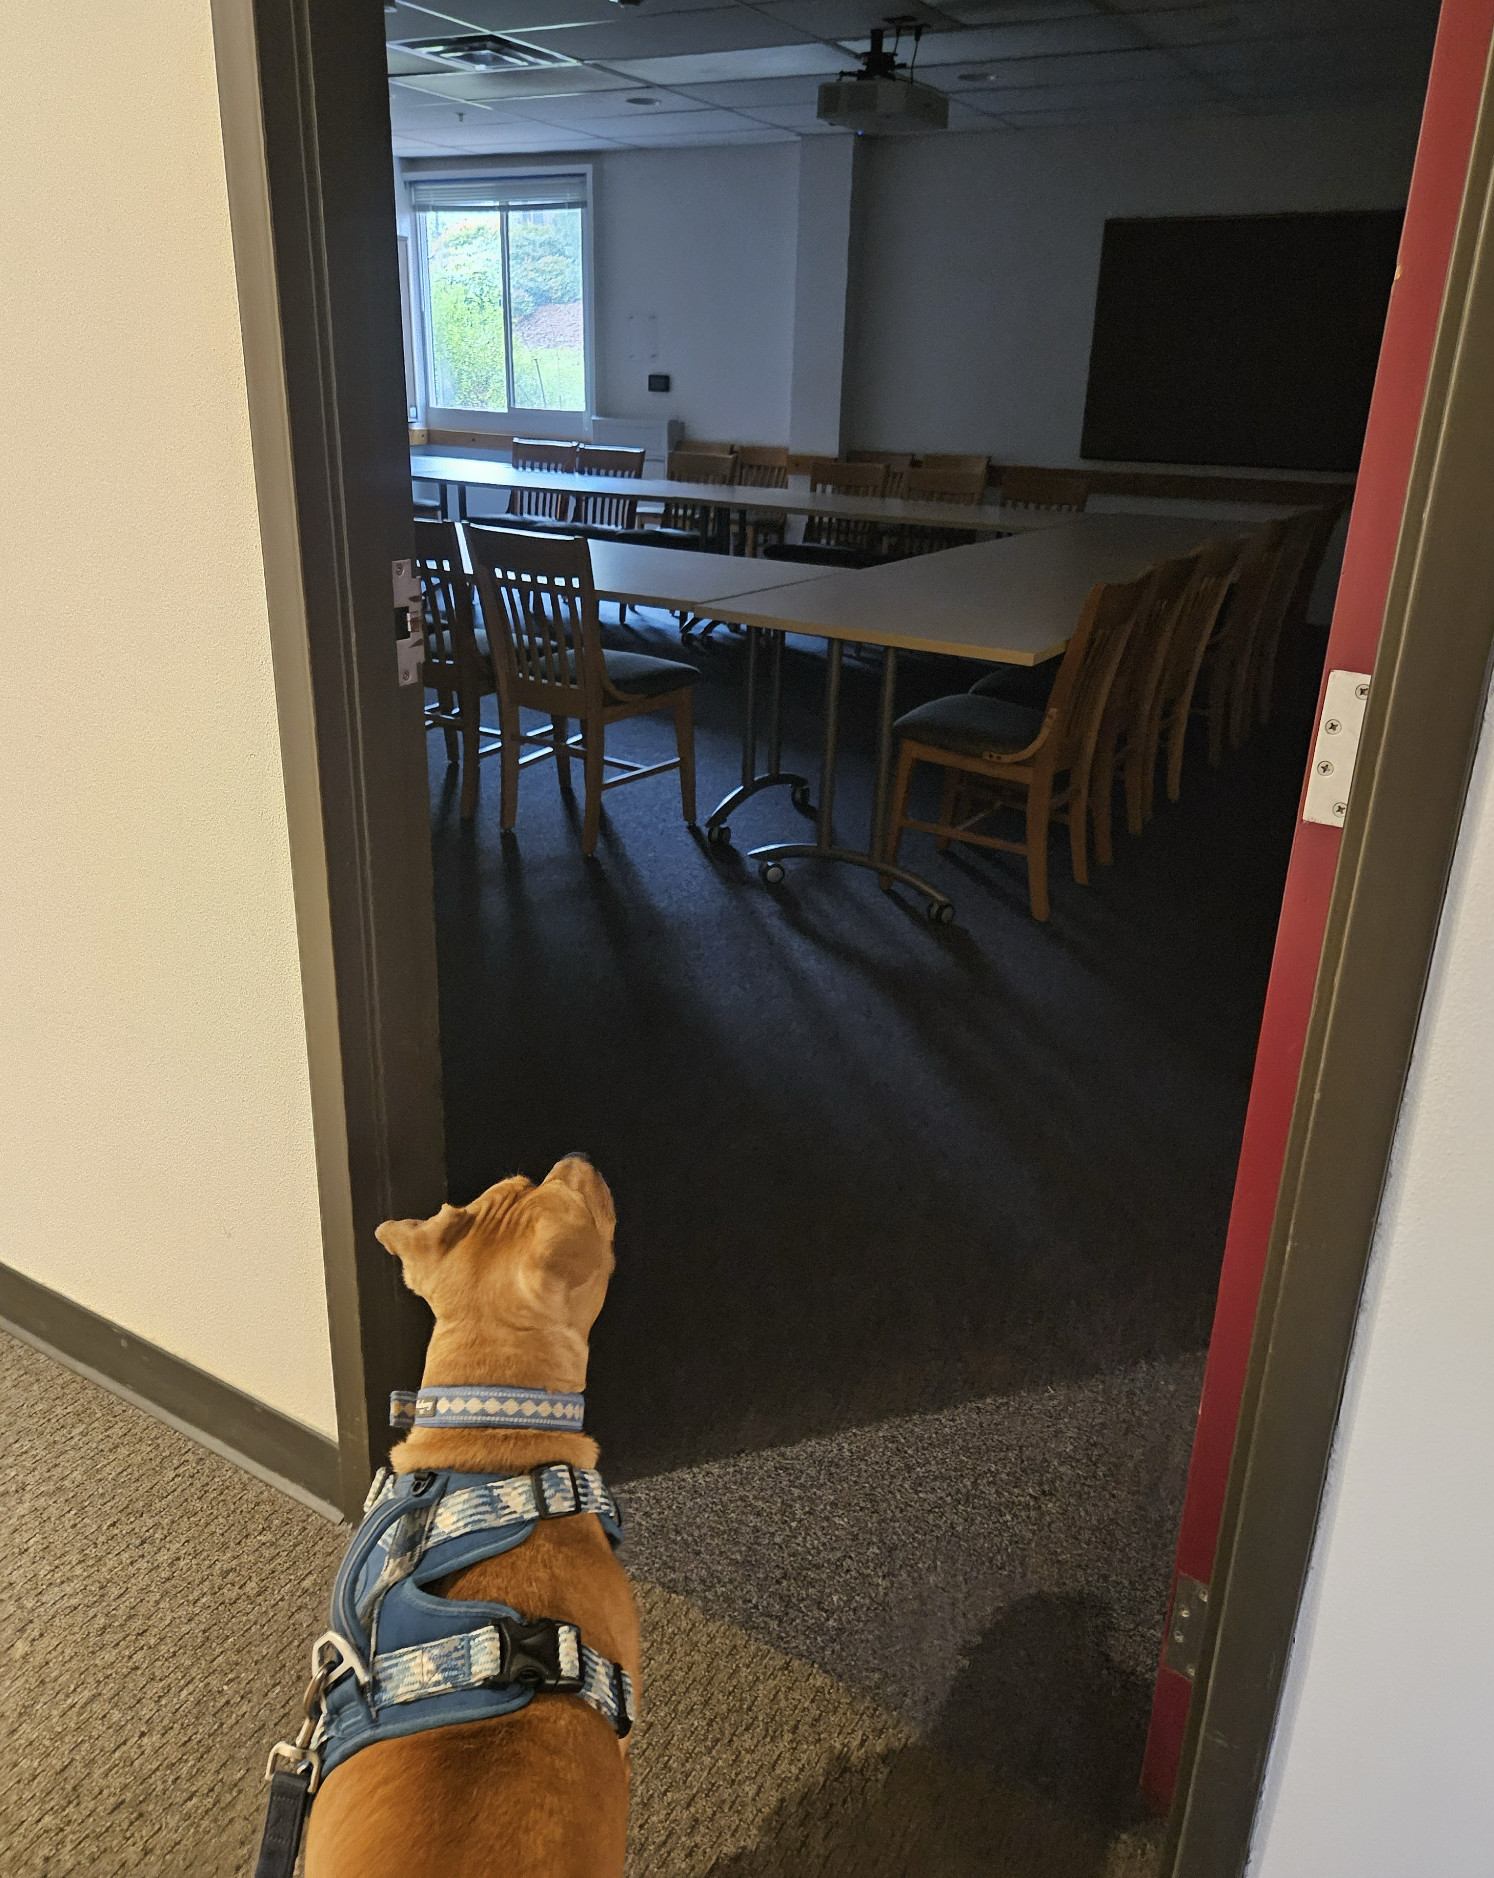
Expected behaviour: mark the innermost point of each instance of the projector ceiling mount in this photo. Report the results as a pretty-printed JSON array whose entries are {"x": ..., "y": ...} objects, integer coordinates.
[{"x": 883, "y": 98}]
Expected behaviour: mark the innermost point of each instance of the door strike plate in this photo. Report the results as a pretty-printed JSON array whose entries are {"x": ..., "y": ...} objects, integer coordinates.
[
  {"x": 1332, "y": 773},
  {"x": 1185, "y": 1628}
]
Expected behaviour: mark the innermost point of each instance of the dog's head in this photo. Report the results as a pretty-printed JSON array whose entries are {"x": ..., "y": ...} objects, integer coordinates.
[{"x": 516, "y": 1279}]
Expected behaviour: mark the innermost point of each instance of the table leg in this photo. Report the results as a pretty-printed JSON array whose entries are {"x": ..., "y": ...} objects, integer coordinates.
[
  {"x": 717, "y": 831},
  {"x": 770, "y": 859}
]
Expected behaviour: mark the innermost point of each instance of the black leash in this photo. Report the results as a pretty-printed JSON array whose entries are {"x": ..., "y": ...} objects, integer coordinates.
[{"x": 285, "y": 1820}]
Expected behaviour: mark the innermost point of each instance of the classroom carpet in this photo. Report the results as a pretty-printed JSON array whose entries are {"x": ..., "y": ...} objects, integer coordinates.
[
  {"x": 159, "y": 1606},
  {"x": 919, "y": 1228}
]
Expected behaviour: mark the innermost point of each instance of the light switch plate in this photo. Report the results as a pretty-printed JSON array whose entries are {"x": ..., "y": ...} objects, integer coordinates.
[{"x": 1337, "y": 746}]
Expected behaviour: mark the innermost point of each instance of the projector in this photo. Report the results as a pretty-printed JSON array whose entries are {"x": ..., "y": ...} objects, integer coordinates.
[
  {"x": 879, "y": 100},
  {"x": 883, "y": 107}
]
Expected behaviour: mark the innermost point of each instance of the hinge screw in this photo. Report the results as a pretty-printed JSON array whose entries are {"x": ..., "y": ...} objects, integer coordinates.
[
  {"x": 1325, "y": 768},
  {"x": 1331, "y": 725}
]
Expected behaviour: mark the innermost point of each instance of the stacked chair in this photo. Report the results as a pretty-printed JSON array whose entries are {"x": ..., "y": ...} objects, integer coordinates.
[
  {"x": 1065, "y": 492},
  {"x": 1201, "y": 635}
]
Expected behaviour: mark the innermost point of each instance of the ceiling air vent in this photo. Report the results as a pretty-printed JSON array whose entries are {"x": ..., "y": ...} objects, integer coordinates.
[{"x": 483, "y": 52}]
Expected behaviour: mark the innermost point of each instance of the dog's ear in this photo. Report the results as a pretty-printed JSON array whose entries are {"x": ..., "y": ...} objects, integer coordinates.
[
  {"x": 419, "y": 1243},
  {"x": 577, "y": 1173}
]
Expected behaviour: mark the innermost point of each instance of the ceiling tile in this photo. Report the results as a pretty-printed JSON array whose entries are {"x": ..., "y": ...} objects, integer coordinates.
[
  {"x": 1181, "y": 89},
  {"x": 762, "y": 62},
  {"x": 641, "y": 35},
  {"x": 1264, "y": 65},
  {"x": 1017, "y": 12},
  {"x": 556, "y": 81},
  {"x": 606, "y": 106},
  {"x": 1085, "y": 68},
  {"x": 1278, "y": 19},
  {"x": 748, "y": 93}
]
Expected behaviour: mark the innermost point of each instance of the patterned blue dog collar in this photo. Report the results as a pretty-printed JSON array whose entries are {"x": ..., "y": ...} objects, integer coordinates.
[{"x": 469, "y": 1405}]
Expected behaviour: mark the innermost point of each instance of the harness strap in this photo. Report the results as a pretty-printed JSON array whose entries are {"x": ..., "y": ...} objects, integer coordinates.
[{"x": 542, "y": 1654}]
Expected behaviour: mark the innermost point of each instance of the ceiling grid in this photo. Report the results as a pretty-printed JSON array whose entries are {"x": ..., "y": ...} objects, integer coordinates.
[{"x": 675, "y": 73}]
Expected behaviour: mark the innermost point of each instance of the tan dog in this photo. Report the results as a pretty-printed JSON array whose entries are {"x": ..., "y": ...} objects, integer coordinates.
[{"x": 516, "y": 1281}]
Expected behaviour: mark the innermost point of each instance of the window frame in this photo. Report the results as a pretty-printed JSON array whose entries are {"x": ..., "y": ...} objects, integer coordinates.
[{"x": 517, "y": 420}]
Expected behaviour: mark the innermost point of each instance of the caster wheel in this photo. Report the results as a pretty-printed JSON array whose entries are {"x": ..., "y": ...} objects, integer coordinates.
[
  {"x": 770, "y": 873},
  {"x": 940, "y": 913},
  {"x": 719, "y": 836}
]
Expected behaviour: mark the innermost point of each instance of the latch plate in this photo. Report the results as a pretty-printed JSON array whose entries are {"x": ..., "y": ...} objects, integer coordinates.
[
  {"x": 1185, "y": 1627},
  {"x": 406, "y": 583},
  {"x": 1332, "y": 773}
]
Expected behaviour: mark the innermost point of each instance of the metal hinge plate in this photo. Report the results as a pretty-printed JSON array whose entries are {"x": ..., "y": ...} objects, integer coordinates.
[
  {"x": 1185, "y": 1628},
  {"x": 1332, "y": 774}
]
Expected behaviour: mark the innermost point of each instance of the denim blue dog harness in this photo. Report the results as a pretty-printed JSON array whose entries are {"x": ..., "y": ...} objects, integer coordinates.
[{"x": 398, "y": 1658}]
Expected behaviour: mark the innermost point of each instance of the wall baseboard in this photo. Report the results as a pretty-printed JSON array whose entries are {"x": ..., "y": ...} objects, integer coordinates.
[{"x": 273, "y": 1446}]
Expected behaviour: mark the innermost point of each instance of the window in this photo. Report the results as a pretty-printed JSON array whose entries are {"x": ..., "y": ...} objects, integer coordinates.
[{"x": 503, "y": 293}]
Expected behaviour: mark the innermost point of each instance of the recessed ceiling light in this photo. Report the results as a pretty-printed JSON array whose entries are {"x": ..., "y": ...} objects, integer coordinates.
[{"x": 640, "y": 100}]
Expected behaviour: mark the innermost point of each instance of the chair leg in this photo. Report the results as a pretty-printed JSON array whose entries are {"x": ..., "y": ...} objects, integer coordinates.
[
  {"x": 1039, "y": 802},
  {"x": 1134, "y": 772},
  {"x": 1101, "y": 794},
  {"x": 948, "y": 802},
  {"x": 508, "y": 797},
  {"x": 592, "y": 766},
  {"x": 471, "y": 749},
  {"x": 684, "y": 744},
  {"x": 897, "y": 814},
  {"x": 559, "y": 726}
]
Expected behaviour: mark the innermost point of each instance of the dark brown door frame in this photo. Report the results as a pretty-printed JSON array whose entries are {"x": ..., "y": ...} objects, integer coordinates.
[
  {"x": 307, "y": 134},
  {"x": 305, "y": 104}
]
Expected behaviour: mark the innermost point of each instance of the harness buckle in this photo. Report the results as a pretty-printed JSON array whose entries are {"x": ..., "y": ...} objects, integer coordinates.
[
  {"x": 542, "y": 1508},
  {"x": 535, "y": 1652}
]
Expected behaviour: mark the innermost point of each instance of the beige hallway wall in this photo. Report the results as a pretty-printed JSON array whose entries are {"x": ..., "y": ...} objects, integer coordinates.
[{"x": 156, "y": 1154}]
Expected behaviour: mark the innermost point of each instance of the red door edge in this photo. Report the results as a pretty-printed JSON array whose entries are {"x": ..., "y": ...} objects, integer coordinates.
[{"x": 1459, "y": 62}]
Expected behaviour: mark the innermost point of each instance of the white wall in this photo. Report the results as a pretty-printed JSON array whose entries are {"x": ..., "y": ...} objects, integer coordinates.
[
  {"x": 980, "y": 257},
  {"x": 703, "y": 239},
  {"x": 156, "y": 1159},
  {"x": 1381, "y": 1767}
]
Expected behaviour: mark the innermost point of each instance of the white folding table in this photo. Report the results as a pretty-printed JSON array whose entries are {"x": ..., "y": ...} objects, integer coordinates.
[{"x": 1014, "y": 602}]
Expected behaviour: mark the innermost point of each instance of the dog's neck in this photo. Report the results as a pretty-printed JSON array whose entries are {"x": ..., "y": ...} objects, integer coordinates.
[{"x": 532, "y": 1360}]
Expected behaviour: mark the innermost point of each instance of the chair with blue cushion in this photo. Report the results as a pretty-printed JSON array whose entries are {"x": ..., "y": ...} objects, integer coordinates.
[
  {"x": 997, "y": 755},
  {"x": 540, "y": 608}
]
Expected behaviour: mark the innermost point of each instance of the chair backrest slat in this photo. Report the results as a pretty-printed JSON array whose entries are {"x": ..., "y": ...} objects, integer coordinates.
[
  {"x": 695, "y": 466},
  {"x": 762, "y": 466},
  {"x": 956, "y": 464},
  {"x": 446, "y": 595},
  {"x": 537, "y": 453},
  {"x": 1215, "y": 567},
  {"x": 852, "y": 479},
  {"x": 1025, "y": 488},
  {"x": 541, "y": 611},
  {"x": 620, "y": 511},
  {"x": 897, "y": 464},
  {"x": 943, "y": 485},
  {"x": 1081, "y": 690}
]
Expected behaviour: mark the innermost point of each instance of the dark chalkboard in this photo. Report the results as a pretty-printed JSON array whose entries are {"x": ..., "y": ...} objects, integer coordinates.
[{"x": 1246, "y": 341}]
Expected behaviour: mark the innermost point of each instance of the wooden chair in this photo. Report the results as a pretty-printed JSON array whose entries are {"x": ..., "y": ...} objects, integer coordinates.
[
  {"x": 1311, "y": 531},
  {"x": 458, "y": 667},
  {"x": 1218, "y": 680},
  {"x": 1217, "y": 564},
  {"x": 1035, "y": 760},
  {"x": 1065, "y": 490},
  {"x": 852, "y": 479},
  {"x": 960, "y": 488},
  {"x": 956, "y": 464},
  {"x": 598, "y": 511},
  {"x": 896, "y": 465},
  {"x": 1125, "y": 728},
  {"x": 692, "y": 466},
  {"x": 533, "y": 453},
  {"x": 541, "y": 610},
  {"x": 762, "y": 466}
]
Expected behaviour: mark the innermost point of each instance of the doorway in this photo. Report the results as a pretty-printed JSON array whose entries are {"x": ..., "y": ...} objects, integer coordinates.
[{"x": 831, "y": 1364}]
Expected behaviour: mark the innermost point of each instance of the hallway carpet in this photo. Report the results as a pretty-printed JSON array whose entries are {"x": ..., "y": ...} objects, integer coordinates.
[{"x": 160, "y": 1605}]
